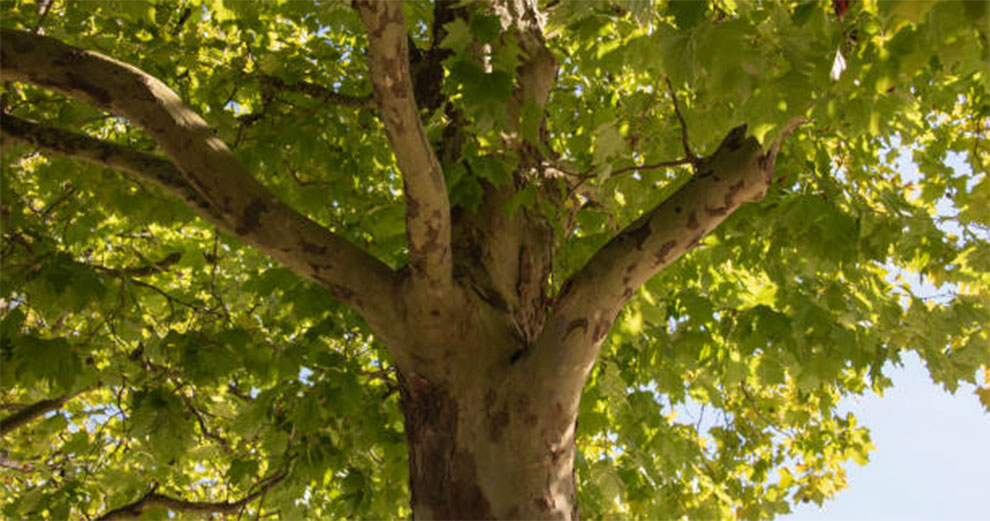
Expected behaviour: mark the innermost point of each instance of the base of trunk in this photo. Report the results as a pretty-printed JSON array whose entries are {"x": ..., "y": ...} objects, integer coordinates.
[{"x": 474, "y": 454}]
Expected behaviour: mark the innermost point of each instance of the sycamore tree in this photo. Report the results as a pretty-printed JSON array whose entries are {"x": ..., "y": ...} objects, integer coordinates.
[{"x": 370, "y": 259}]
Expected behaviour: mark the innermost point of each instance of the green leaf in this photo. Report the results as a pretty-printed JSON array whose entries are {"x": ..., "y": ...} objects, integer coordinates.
[
  {"x": 607, "y": 146},
  {"x": 50, "y": 360},
  {"x": 159, "y": 415},
  {"x": 491, "y": 169},
  {"x": 458, "y": 36},
  {"x": 687, "y": 14},
  {"x": 242, "y": 472}
]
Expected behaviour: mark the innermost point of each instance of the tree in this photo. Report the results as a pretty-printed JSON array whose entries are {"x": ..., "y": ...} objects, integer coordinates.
[{"x": 253, "y": 253}]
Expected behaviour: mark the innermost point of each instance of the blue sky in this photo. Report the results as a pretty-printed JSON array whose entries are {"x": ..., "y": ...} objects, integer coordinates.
[{"x": 932, "y": 460}]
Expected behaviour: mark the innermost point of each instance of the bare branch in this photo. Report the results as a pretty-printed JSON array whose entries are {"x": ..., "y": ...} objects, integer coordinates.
[
  {"x": 43, "y": 9},
  {"x": 736, "y": 173},
  {"x": 8, "y": 463},
  {"x": 792, "y": 125},
  {"x": 240, "y": 204},
  {"x": 33, "y": 412},
  {"x": 680, "y": 118},
  {"x": 154, "y": 499},
  {"x": 427, "y": 207},
  {"x": 319, "y": 92}
]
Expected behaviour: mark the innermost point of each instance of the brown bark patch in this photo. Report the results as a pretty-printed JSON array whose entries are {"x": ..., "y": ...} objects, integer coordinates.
[
  {"x": 442, "y": 476},
  {"x": 525, "y": 410},
  {"x": 638, "y": 234},
  {"x": 692, "y": 223},
  {"x": 661, "y": 255},
  {"x": 309, "y": 247},
  {"x": 498, "y": 417},
  {"x": 340, "y": 292},
  {"x": 696, "y": 241},
  {"x": 601, "y": 328},
  {"x": 412, "y": 206},
  {"x": 581, "y": 323},
  {"x": 251, "y": 217},
  {"x": 717, "y": 212},
  {"x": 731, "y": 194}
]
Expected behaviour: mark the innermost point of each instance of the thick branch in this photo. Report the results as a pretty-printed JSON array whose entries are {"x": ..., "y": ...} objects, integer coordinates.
[
  {"x": 243, "y": 206},
  {"x": 142, "y": 165},
  {"x": 32, "y": 412},
  {"x": 738, "y": 172},
  {"x": 427, "y": 206},
  {"x": 153, "y": 499}
]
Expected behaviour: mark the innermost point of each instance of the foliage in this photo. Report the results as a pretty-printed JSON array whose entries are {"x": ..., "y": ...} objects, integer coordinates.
[{"x": 200, "y": 366}]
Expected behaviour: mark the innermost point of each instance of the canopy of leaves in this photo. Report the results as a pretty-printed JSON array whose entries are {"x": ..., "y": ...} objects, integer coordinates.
[{"x": 196, "y": 366}]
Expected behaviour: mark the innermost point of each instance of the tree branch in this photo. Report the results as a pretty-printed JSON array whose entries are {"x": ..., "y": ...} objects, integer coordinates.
[
  {"x": 32, "y": 412},
  {"x": 736, "y": 173},
  {"x": 8, "y": 463},
  {"x": 154, "y": 499},
  {"x": 680, "y": 118},
  {"x": 143, "y": 165},
  {"x": 319, "y": 92},
  {"x": 427, "y": 206},
  {"x": 537, "y": 71},
  {"x": 242, "y": 206}
]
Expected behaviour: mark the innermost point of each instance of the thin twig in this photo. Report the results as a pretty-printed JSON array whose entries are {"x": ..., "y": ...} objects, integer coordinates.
[
  {"x": 792, "y": 125},
  {"x": 207, "y": 432},
  {"x": 172, "y": 298},
  {"x": 215, "y": 259},
  {"x": 182, "y": 20},
  {"x": 48, "y": 210},
  {"x": 656, "y": 166},
  {"x": 43, "y": 10},
  {"x": 693, "y": 159},
  {"x": 319, "y": 92}
]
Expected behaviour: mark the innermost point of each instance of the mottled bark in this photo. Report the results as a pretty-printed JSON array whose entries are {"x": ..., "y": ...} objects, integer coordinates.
[
  {"x": 427, "y": 206},
  {"x": 737, "y": 172}
]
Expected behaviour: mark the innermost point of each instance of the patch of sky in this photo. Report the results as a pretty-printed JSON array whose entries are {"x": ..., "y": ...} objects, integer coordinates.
[
  {"x": 305, "y": 376},
  {"x": 932, "y": 459},
  {"x": 235, "y": 107}
]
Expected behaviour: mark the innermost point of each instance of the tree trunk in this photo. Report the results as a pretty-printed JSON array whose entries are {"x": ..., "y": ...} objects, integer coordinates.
[
  {"x": 489, "y": 423},
  {"x": 491, "y": 449}
]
